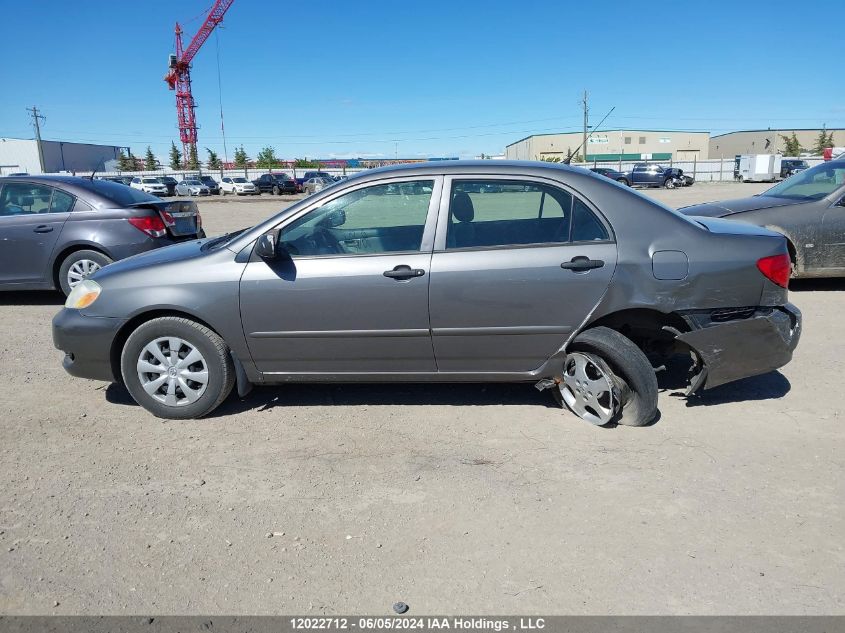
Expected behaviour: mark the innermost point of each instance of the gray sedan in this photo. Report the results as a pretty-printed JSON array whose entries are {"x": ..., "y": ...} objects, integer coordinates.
[
  {"x": 808, "y": 208},
  {"x": 481, "y": 271},
  {"x": 57, "y": 230}
]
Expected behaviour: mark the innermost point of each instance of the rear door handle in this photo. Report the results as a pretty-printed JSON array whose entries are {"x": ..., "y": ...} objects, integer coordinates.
[
  {"x": 43, "y": 228},
  {"x": 582, "y": 264},
  {"x": 404, "y": 272}
]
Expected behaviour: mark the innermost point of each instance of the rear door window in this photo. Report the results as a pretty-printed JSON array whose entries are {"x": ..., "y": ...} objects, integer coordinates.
[
  {"x": 489, "y": 213},
  {"x": 18, "y": 198}
]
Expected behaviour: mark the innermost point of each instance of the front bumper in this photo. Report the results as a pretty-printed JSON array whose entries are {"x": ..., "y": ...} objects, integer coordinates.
[
  {"x": 740, "y": 348},
  {"x": 87, "y": 343}
]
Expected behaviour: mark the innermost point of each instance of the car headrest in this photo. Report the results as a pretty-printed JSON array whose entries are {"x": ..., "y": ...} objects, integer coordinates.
[
  {"x": 462, "y": 209},
  {"x": 26, "y": 201}
]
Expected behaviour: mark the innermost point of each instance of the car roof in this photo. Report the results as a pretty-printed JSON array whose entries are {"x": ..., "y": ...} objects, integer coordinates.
[{"x": 448, "y": 167}]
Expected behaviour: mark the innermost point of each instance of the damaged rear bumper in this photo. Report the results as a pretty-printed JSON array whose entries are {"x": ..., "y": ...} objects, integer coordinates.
[{"x": 728, "y": 350}]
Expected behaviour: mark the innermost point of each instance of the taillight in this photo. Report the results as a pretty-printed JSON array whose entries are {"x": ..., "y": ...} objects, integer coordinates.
[
  {"x": 151, "y": 225},
  {"x": 776, "y": 268}
]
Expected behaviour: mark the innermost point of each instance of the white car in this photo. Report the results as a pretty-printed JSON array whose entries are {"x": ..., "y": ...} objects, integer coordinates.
[
  {"x": 149, "y": 184},
  {"x": 191, "y": 188},
  {"x": 238, "y": 186}
]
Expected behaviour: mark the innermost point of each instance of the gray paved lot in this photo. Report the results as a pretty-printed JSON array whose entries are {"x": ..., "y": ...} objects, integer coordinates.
[{"x": 470, "y": 498}]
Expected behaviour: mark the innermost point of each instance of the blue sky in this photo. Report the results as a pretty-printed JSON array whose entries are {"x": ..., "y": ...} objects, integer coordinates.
[{"x": 434, "y": 78}]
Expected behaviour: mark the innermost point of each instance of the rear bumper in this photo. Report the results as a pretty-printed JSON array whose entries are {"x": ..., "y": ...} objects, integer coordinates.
[
  {"x": 86, "y": 342},
  {"x": 740, "y": 348}
]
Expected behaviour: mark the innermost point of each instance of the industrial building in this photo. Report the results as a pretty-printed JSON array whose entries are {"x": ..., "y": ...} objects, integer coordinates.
[
  {"x": 767, "y": 141},
  {"x": 21, "y": 155},
  {"x": 614, "y": 144}
]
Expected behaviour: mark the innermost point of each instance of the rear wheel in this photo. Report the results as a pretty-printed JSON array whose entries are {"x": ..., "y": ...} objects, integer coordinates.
[
  {"x": 176, "y": 368},
  {"x": 607, "y": 379},
  {"x": 80, "y": 265}
]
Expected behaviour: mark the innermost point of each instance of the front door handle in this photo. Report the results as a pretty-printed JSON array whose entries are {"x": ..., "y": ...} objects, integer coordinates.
[
  {"x": 404, "y": 272},
  {"x": 43, "y": 228},
  {"x": 582, "y": 264}
]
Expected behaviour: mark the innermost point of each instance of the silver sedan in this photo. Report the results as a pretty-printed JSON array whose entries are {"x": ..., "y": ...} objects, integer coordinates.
[{"x": 191, "y": 188}]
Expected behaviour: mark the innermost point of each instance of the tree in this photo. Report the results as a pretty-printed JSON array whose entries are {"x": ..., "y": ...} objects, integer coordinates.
[
  {"x": 213, "y": 160},
  {"x": 193, "y": 160},
  {"x": 150, "y": 163},
  {"x": 241, "y": 159},
  {"x": 304, "y": 162},
  {"x": 792, "y": 146},
  {"x": 267, "y": 158},
  {"x": 125, "y": 162},
  {"x": 823, "y": 141},
  {"x": 175, "y": 157},
  {"x": 550, "y": 159}
]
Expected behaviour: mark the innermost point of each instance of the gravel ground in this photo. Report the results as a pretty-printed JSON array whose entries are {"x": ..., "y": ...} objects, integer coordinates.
[{"x": 471, "y": 498}]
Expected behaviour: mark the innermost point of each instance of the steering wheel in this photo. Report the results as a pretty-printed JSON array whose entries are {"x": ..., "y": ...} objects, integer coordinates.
[{"x": 324, "y": 240}]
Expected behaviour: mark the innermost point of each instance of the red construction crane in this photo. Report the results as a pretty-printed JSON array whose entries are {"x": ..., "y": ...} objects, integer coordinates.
[{"x": 179, "y": 76}]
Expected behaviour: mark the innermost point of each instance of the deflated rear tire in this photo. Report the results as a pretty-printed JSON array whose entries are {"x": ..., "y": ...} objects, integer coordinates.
[
  {"x": 607, "y": 379},
  {"x": 176, "y": 368}
]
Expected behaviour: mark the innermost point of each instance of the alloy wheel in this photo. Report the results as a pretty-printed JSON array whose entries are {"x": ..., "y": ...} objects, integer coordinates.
[{"x": 587, "y": 389}]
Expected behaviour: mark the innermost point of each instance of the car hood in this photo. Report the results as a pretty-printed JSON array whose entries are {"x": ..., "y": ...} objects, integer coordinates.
[
  {"x": 176, "y": 253},
  {"x": 730, "y": 207}
]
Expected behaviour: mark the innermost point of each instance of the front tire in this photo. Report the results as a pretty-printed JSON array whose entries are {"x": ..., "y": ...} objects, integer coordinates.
[
  {"x": 276, "y": 191},
  {"x": 177, "y": 368},
  {"x": 623, "y": 181},
  {"x": 669, "y": 183},
  {"x": 607, "y": 379},
  {"x": 80, "y": 265}
]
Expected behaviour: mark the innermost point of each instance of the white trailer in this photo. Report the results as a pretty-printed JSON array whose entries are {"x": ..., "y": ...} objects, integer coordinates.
[{"x": 758, "y": 167}]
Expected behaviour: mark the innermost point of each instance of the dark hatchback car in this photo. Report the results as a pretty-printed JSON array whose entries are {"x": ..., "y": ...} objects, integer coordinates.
[
  {"x": 170, "y": 182},
  {"x": 57, "y": 230},
  {"x": 276, "y": 184},
  {"x": 487, "y": 271},
  {"x": 213, "y": 185},
  {"x": 808, "y": 208}
]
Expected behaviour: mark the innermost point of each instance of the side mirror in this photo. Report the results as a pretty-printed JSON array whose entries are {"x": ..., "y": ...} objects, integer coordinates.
[
  {"x": 265, "y": 248},
  {"x": 841, "y": 202}
]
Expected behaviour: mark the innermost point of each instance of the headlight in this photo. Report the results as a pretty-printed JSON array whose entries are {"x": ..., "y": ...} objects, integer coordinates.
[{"x": 83, "y": 294}]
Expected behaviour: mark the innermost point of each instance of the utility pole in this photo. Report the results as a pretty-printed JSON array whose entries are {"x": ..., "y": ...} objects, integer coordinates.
[
  {"x": 36, "y": 123},
  {"x": 586, "y": 121}
]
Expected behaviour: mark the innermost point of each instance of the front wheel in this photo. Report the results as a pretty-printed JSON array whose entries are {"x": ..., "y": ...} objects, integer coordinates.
[
  {"x": 607, "y": 379},
  {"x": 276, "y": 191},
  {"x": 176, "y": 368},
  {"x": 669, "y": 183},
  {"x": 80, "y": 265},
  {"x": 623, "y": 181}
]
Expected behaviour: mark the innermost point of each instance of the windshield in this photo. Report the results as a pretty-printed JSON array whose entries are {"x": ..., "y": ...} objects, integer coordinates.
[
  {"x": 239, "y": 180},
  {"x": 151, "y": 181},
  {"x": 193, "y": 183},
  {"x": 222, "y": 240},
  {"x": 812, "y": 184},
  {"x": 120, "y": 194}
]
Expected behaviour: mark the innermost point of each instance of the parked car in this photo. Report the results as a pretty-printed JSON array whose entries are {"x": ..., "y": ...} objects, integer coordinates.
[
  {"x": 309, "y": 175},
  {"x": 213, "y": 185},
  {"x": 808, "y": 208},
  {"x": 57, "y": 230},
  {"x": 170, "y": 182},
  {"x": 121, "y": 180},
  {"x": 555, "y": 276},
  {"x": 618, "y": 176},
  {"x": 651, "y": 175},
  {"x": 239, "y": 186},
  {"x": 313, "y": 185},
  {"x": 276, "y": 184},
  {"x": 149, "y": 184},
  {"x": 191, "y": 188},
  {"x": 791, "y": 166}
]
